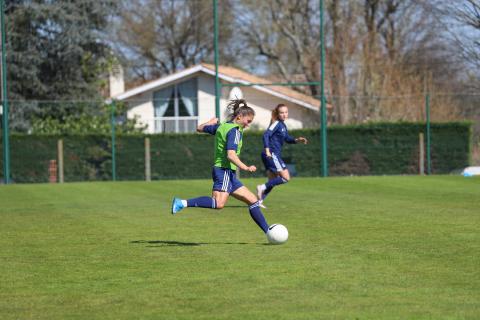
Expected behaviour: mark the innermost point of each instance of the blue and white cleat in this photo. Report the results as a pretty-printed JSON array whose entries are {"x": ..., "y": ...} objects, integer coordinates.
[{"x": 177, "y": 205}]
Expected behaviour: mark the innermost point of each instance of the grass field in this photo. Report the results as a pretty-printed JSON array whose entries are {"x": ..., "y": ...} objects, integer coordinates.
[{"x": 359, "y": 248}]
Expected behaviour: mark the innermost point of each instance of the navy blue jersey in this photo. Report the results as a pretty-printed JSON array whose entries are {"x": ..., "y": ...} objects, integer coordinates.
[
  {"x": 211, "y": 129},
  {"x": 233, "y": 136},
  {"x": 275, "y": 136}
]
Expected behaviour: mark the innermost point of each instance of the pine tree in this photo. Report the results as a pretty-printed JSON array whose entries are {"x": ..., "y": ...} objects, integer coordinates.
[{"x": 54, "y": 52}]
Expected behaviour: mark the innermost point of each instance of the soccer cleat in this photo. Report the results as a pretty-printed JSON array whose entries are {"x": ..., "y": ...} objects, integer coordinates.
[
  {"x": 260, "y": 191},
  {"x": 177, "y": 205},
  {"x": 260, "y": 203}
]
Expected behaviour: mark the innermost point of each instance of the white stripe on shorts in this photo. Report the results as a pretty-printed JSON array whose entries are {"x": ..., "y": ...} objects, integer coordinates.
[
  {"x": 276, "y": 162},
  {"x": 226, "y": 181}
]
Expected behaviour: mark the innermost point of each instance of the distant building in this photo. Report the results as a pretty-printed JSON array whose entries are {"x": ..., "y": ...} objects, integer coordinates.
[{"x": 180, "y": 101}]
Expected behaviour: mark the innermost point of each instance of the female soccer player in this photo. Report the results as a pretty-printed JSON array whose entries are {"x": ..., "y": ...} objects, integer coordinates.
[
  {"x": 273, "y": 140},
  {"x": 228, "y": 143}
]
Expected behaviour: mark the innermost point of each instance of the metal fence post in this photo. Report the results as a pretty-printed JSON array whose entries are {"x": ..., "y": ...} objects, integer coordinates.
[
  {"x": 215, "y": 45},
  {"x": 6, "y": 135},
  {"x": 323, "y": 112}
]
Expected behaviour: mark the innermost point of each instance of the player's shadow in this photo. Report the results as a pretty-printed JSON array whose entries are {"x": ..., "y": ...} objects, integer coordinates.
[{"x": 169, "y": 243}]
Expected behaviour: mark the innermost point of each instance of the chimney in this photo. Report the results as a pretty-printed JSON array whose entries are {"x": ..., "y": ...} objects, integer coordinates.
[{"x": 116, "y": 83}]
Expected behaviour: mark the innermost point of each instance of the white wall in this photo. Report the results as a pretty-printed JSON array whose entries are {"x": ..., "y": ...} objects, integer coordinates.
[
  {"x": 206, "y": 98},
  {"x": 116, "y": 82},
  {"x": 142, "y": 107}
]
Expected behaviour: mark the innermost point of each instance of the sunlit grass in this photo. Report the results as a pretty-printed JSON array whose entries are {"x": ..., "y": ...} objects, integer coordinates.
[{"x": 366, "y": 248}]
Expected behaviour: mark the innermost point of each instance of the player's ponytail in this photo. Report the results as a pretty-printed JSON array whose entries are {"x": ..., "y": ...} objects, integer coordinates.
[
  {"x": 239, "y": 107},
  {"x": 276, "y": 112}
]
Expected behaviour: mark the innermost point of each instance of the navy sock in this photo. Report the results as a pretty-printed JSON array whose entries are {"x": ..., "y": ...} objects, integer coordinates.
[
  {"x": 272, "y": 183},
  {"x": 258, "y": 217},
  {"x": 266, "y": 192},
  {"x": 275, "y": 182},
  {"x": 202, "y": 202}
]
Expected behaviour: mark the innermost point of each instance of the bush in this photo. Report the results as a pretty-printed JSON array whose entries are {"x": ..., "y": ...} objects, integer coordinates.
[{"x": 371, "y": 149}]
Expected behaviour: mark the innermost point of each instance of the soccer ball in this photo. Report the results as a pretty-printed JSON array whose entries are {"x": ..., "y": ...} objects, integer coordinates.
[{"x": 277, "y": 234}]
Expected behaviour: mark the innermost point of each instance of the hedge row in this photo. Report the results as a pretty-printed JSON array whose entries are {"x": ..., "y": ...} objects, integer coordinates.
[{"x": 372, "y": 149}]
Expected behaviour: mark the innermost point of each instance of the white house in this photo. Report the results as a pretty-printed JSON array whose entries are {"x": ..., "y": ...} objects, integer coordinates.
[{"x": 180, "y": 101}]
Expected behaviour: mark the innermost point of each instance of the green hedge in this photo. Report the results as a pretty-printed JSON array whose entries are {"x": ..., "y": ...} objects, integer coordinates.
[{"x": 371, "y": 149}]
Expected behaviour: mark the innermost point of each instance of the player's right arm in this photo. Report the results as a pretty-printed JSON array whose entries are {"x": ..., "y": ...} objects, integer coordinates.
[
  {"x": 209, "y": 127},
  {"x": 233, "y": 139},
  {"x": 266, "y": 138},
  {"x": 233, "y": 158},
  {"x": 266, "y": 143}
]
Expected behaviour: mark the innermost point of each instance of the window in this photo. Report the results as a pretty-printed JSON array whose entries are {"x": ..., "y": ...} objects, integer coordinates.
[{"x": 176, "y": 107}]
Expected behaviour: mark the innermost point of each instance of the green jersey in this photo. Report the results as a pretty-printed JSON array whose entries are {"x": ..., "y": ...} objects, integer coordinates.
[{"x": 221, "y": 143}]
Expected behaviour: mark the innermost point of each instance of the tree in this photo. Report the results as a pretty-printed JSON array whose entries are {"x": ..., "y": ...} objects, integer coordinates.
[
  {"x": 284, "y": 33},
  {"x": 462, "y": 21},
  {"x": 469, "y": 15},
  {"x": 158, "y": 37},
  {"x": 54, "y": 52},
  {"x": 374, "y": 48},
  {"x": 342, "y": 21}
]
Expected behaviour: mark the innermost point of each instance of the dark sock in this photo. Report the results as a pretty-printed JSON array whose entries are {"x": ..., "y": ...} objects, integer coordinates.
[
  {"x": 272, "y": 183},
  {"x": 202, "y": 202},
  {"x": 266, "y": 192},
  {"x": 275, "y": 182},
  {"x": 258, "y": 217}
]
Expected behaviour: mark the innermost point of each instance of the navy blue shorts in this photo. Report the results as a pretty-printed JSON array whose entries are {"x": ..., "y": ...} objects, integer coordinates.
[
  {"x": 225, "y": 180},
  {"x": 274, "y": 164}
]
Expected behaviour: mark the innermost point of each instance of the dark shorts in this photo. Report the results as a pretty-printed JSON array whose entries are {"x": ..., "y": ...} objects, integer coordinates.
[
  {"x": 274, "y": 164},
  {"x": 225, "y": 180}
]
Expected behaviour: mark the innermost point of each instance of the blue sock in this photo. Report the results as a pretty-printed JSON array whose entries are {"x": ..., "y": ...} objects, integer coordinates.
[
  {"x": 258, "y": 217},
  {"x": 202, "y": 202},
  {"x": 275, "y": 182},
  {"x": 272, "y": 183},
  {"x": 266, "y": 192}
]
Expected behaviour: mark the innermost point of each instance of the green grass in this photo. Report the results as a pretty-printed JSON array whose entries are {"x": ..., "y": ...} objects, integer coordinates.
[{"x": 359, "y": 248}]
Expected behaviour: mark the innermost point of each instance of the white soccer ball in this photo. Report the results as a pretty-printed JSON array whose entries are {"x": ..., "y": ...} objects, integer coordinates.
[{"x": 277, "y": 234}]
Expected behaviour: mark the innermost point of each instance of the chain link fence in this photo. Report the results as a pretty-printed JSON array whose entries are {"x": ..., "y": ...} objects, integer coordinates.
[{"x": 154, "y": 139}]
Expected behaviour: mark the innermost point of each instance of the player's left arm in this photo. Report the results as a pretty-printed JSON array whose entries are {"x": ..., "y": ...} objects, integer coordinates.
[
  {"x": 301, "y": 140},
  {"x": 290, "y": 139}
]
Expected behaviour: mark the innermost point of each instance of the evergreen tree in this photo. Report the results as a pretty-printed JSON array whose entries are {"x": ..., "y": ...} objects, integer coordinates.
[{"x": 54, "y": 52}]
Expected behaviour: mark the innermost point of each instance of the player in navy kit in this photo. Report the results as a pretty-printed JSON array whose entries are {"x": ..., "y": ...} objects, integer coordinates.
[{"x": 273, "y": 140}]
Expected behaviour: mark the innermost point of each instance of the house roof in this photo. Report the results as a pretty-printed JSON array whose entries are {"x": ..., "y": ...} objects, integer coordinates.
[{"x": 232, "y": 75}]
